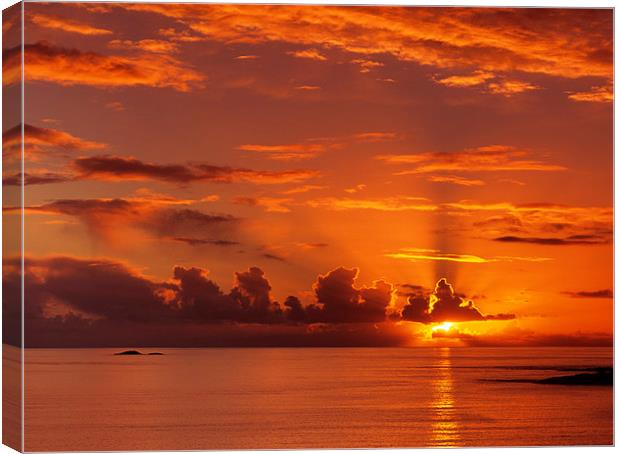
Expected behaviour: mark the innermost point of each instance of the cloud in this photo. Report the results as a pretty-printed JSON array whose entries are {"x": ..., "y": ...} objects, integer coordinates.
[
  {"x": 271, "y": 256},
  {"x": 116, "y": 168},
  {"x": 116, "y": 106},
  {"x": 489, "y": 82},
  {"x": 66, "y": 25},
  {"x": 180, "y": 36},
  {"x": 375, "y": 136},
  {"x": 286, "y": 152},
  {"x": 511, "y": 87},
  {"x": 201, "y": 299},
  {"x": 48, "y": 63},
  {"x": 269, "y": 204},
  {"x": 146, "y": 45},
  {"x": 537, "y": 223},
  {"x": 355, "y": 189},
  {"x": 127, "y": 168},
  {"x": 203, "y": 242},
  {"x": 398, "y": 203},
  {"x": 249, "y": 301},
  {"x": 312, "y": 54},
  {"x": 443, "y": 305},
  {"x": 470, "y": 80},
  {"x": 415, "y": 254},
  {"x": 83, "y": 286},
  {"x": 605, "y": 293},
  {"x": 72, "y": 303},
  {"x": 311, "y": 148},
  {"x": 491, "y": 158},
  {"x": 572, "y": 240},
  {"x": 106, "y": 217},
  {"x": 307, "y": 87},
  {"x": 366, "y": 65},
  {"x": 453, "y": 179},
  {"x": 295, "y": 311},
  {"x": 603, "y": 94},
  {"x": 495, "y": 40},
  {"x": 411, "y": 290},
  {"x": 113, "y": 167},
  {"x": 303, "y": 188},
  {"x": 339, "y": 301},
  {"x": 312, "y": 245},
  {"x": 38, "y": 141},
  {"x": 252, "y": 292},
  {"x": 36, "y": 177}
]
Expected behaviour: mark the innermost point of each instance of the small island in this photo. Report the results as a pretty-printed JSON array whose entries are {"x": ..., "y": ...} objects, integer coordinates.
[
  {"x": 602, "y": 376},
  {"x": 136, "y": 352}
]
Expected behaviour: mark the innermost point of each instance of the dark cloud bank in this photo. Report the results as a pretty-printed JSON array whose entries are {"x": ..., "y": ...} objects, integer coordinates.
[
  {"x": 73, "y": 302},
  {"x": 444, "y": 305}
]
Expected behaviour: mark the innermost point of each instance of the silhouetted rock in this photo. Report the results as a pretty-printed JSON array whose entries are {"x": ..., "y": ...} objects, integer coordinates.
[
  {"x": 136, "y": 352},
  {"x": 601, "y": 377}
]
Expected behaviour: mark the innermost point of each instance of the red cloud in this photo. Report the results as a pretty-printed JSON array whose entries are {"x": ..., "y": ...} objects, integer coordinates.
[
  {"x": 121, "y": 168},
  {"x": 45, "y": 62},
  {"x": 443, "y": 305}
]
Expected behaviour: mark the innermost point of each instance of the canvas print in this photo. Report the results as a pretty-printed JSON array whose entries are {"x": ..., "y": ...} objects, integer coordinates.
[{"x": 234, "y": 226}]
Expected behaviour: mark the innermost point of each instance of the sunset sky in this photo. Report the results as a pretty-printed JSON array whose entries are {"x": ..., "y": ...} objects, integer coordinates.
[{"x": 348, "y": 157}]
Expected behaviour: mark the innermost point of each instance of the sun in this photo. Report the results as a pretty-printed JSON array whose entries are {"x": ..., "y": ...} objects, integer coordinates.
[{"x": 445, "y": 326}]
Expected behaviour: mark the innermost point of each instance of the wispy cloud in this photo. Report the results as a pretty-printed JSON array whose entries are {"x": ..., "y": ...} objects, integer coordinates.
[
  {"x": 605, "y": 293},
  {"x": 511, "y": 87},
  {"x": 312, "y": 54},
  {"x": 66, "y": 25},
  {"x": 492, "y": 40},
  {"x": 312, "y": 245},
  {"x": 308, "y": 87},
  {"x": 39, "y": 141},
  {"x": 400, "y": 203},
  {"x": 205, "y": 242},
  {"x": 552, "y": 241},
  {"x": 269, "y": 204},
  {"x": 482, "y": 159},
  {"x": 286, "y": 152},
  {"x": 538, "y": 223},
  {"x": 302, "y": 189},
  {"x": 453, "y": 179},
  {"x": 64, "y": 66},
  {"x": 147, "y": 45},
  {"x": 468, "y": 80},
  {"x": 603, "y": 94},
  {"x": 110, "y": 218},
  {"x": 313, "y": 147},
  {"x": 416, "y": 254},
  {"x": 366, "y": 65},
  {"x": 127, "y": 168}
]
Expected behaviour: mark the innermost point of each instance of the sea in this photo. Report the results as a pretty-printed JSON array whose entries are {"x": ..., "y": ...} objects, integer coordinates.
[{"x": 290, "y": 398}]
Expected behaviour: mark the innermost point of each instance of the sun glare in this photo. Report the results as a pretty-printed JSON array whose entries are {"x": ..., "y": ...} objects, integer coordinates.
[{"x": 445, "y": 326}]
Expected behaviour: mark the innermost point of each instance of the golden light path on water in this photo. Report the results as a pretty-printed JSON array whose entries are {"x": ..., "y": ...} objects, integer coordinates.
[{"x": 444, "y": 423}]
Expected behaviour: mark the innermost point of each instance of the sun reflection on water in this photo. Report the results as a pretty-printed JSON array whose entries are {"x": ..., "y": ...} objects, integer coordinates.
[{"x": 444, "y": 425}]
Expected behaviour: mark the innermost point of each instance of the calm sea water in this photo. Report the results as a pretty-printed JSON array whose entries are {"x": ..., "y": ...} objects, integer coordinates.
[{"x": 89, "y": 399}]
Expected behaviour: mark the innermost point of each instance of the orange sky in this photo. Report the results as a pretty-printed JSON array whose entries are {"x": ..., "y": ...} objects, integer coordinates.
[{"x": 410, "y": 144}]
